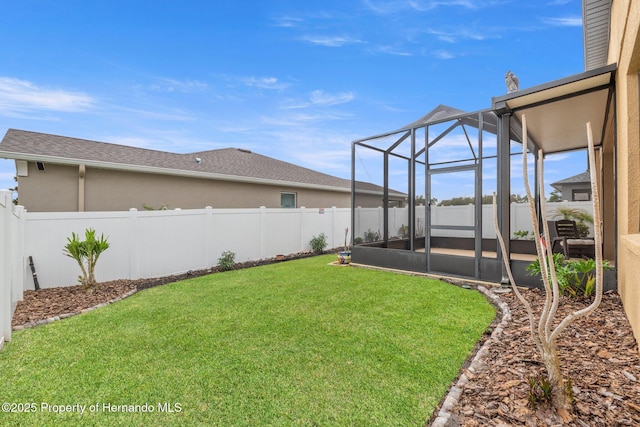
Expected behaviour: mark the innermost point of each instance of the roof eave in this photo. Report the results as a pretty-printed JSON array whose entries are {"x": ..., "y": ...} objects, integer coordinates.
[
  {"x": 167, "y": 171},
  {"x": 596, "y": 21}
]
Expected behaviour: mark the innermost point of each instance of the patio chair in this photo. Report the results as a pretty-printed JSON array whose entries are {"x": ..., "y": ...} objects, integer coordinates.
[{"x": 573, "y": 246}]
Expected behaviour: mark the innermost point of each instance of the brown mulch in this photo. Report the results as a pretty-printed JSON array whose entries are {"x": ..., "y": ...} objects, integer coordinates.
[
  {"x": 48, "y": 303},
  {"x": 598, "y": 353},
  {"x": 51, "y": 302}
]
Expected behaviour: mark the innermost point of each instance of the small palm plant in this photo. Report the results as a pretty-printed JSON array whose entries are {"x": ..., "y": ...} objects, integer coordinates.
[
  {"x": 86, "y": 254},
  {"x": 580, "y": 216}
]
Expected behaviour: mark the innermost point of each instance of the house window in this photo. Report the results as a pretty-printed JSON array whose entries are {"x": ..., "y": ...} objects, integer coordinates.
[
  {"x": 581, "y": 195},
  {"x": 287, "y": 200}
]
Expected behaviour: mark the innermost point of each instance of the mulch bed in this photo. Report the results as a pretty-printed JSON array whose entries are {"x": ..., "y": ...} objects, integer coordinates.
[
  {"x": 598, "y": 353},
  {"x": 47, "y": 303},
  {"x": 51, "y": 302}
]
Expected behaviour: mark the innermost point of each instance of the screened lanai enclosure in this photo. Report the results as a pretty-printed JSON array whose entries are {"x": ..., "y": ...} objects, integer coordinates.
[{"x": 449, "y": 163}]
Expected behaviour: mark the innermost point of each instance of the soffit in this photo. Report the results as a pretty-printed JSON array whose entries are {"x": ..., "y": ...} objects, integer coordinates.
[
  {"x": 596, "y": 19},
  {"x": 557, "y": 112}
]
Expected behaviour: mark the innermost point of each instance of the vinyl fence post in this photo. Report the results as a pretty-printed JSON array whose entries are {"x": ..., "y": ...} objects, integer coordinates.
[
  {"x": 208, "y": 235},
  {"x": 333, "y": 227},
  {"x": 301, "y": 230},
  {"x": 19, "y": 262},
  {"x": 6, "y": 298},
  {"x": 263, "y": 231},
  {"x": 134, "y": 247}
]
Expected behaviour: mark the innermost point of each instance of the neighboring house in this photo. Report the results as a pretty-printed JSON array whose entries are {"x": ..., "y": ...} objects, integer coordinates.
[
  {"x": 576, "y": 188},
  {"x": 62, "y": 174}
]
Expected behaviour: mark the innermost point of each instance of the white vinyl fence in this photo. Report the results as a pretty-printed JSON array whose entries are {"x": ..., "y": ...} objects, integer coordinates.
[
  {"x": 147, "y": 244},
  {"x": 371, "y": 219},
  {"x": 11, "y": 269}
]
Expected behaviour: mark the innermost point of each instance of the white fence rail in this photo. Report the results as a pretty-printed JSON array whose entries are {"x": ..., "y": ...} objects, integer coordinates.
[{"x": 149, "y": 243}]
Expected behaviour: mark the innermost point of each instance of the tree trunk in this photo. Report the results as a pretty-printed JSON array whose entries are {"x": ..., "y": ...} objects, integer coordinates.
[{"x": 560, "y": 399}]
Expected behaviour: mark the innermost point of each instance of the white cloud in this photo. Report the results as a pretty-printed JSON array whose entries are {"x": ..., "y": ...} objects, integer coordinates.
[
  {"x": 176, "y": 115},
  {"x": 287, "y": 21},
  {"x": 318, "y": 149},
  {"x": 569, "y": 21},
  {"x": 384, "y": 7},
  {"x": 319, "y": 97},
  {"x": 171, "y": 85},
  {"x": 390, "y": 50},
  {"x": 443, "y": 54},
  {"x": 172, "y": 141},
  {"x": 461, "y": 34},
  {"x": 330, "y": 41},
  {"x": 20, "y": 96},
  {"x": 301, "y": 119},
  {"x": 271, "y": 83},
  {"x": 422, "y": 6}
]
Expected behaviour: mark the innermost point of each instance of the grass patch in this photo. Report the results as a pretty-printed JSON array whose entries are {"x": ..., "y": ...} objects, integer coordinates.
[{"x": 295, "y": 343}]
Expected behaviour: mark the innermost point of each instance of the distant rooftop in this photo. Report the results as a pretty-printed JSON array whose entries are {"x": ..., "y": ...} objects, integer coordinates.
[
  {"x": 226, "y": 163},
  {"x": 581, "y": 178}
]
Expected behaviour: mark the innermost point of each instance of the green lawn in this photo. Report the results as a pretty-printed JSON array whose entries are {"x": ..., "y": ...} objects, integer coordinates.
[{"x": 295, "y": 343}]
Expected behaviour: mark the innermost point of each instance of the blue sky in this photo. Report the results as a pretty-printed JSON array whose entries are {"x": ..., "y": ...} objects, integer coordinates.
[{"x": 293, "y": 80}]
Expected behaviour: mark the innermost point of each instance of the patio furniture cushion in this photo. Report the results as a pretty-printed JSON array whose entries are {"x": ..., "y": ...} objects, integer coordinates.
[{"x": 570, "y": 242}]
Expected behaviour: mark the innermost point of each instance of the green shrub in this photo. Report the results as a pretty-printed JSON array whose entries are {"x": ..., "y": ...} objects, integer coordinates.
[
  {"x": 575, "y": 276},
  {"x": 227, "y": 261},
  {"x": 522, "y": 235},
  {"x": 562, "y": 273},
  {"x": 318, "y": 243},
  {"x": 371, "y": 236}
]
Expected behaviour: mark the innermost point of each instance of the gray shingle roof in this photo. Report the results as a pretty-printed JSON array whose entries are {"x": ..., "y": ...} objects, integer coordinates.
[
  {"x": 581, "y": 178},
  {"x": 230, "y": 162}
]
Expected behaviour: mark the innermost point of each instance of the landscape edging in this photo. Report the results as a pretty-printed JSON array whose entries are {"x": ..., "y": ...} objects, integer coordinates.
[
  {"x": 66, "y": 315},
  {"x": 445, "y": 415}
]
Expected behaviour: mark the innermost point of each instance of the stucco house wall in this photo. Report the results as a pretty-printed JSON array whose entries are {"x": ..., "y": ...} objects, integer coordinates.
[
  {"x": 624, "y": 49},
  {"x": 56, "y": 189}
]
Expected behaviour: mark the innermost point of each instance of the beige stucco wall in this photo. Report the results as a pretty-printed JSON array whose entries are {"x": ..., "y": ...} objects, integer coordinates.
[
  {"x": 138, "y": 189},
  {"x": 53, "y": 190},
  {"x": 624, "y": 49},
  {"x": 628, "y": 274},
  {"x": 56, "y": 189}
]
